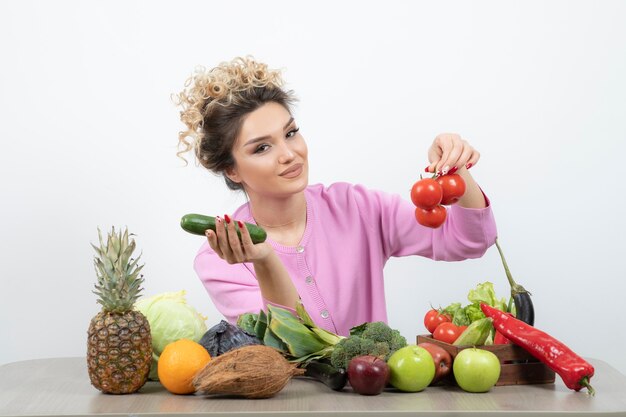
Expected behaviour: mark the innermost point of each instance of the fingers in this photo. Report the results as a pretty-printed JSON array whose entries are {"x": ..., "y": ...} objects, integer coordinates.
[
  {"x": 225, "y": 241},
  {"x": 222, "y": 239},
  {"x": 434, "y": 155},
  {"x": 473, "y": 160},
  {"x": 212, "y": 238},
  {"x": 234, "y": 242},
  {"x": 450, "y": 152},
  {"x": 446, "y": 144},
  {"x": 450, "y": 157},
  {"x": 464, "y": 158},
  {"x": 246, "y": 240}
]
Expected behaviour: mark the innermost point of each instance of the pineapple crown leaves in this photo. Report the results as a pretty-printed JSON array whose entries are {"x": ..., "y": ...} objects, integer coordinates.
[{"x": 119, "y": 282}]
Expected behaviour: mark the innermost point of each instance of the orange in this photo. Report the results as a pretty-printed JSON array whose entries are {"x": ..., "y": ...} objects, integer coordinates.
[{"x": 179, "y": 362}]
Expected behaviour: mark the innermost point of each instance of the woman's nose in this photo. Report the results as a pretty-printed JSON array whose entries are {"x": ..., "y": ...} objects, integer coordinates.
[{"x": 286, "y": 155}]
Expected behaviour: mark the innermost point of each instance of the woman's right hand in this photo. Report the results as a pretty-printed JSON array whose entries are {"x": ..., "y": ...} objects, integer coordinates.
[{"x": 229, "y": 247}]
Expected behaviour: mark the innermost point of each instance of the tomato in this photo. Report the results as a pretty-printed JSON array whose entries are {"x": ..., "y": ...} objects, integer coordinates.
[
  {"x": 453, "y": 187},
  {"x": 426, "y": 193},
  {"x": 431, "y": 218},
  {"x": 434, "y": 318},
  {"x": 448, "y": 332}
]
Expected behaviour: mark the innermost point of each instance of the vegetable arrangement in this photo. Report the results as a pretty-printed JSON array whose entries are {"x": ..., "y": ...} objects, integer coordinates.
[
  {"x": 489, "y": 320},
  {"x": 431, "y": 195},
  {"x": 466, "y": 325},
  {"x": 293, "y": 345},
  {"x": 448, "y": 324},
  {"x": 302, "y": 341},
  {"x": 257, "y": 357}
]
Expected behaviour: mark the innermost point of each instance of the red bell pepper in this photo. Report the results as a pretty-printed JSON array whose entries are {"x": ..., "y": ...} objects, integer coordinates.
[
  {"x": 574, "y": 370},
  {"x": 500, "y": 339}
]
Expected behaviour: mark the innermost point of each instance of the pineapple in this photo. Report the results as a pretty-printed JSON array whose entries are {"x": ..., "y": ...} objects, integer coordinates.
[{"x": 119, "y": 344}]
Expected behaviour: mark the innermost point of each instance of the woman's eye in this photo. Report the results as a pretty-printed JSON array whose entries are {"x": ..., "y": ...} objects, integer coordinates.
[
  {"x": 292, "y": 132},
  {"x": 261, "y": 148}
]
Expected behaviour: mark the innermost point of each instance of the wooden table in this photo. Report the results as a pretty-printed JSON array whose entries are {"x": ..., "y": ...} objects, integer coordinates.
[{"x": 60, "y": 386}]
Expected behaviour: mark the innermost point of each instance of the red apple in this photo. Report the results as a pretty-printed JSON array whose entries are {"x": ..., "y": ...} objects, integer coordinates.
[
  {"x": 368, "y": 375},
  {"x": 443, "y": 360}
]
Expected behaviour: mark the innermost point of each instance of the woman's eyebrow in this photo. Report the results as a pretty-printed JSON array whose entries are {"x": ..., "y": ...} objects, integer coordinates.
[{"x": 266, "y": 137}]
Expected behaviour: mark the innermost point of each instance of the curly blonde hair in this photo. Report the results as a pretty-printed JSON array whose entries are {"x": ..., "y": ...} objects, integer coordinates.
[{"x": 214, "y": 104}]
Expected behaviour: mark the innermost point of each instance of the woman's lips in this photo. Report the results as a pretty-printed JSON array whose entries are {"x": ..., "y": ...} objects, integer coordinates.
[{"x": 292, "y": 172}]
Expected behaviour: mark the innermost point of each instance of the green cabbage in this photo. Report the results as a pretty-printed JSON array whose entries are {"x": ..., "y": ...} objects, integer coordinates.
[
  {"x": 171, "y": 319},
  {"x": 485, "y": 293},
  {"x": 474, "y": 312}
]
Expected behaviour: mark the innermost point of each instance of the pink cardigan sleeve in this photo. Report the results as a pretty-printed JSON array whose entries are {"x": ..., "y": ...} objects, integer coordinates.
[
  {"x": 233, "y": 289},
  {"x": 466, "y": 233}
]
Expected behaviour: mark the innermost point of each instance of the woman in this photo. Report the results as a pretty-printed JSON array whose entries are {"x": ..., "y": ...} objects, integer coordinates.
[{"x": 326, "y": 245}]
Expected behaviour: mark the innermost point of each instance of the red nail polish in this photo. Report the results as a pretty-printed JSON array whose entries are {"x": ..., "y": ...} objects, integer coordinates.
[
  {"x": 240, "y": 224},
  {"x": 453, "y": 170},
  {"x": 227, "y": 218},
  {"x": 219, "y": 219},
  {"x": 426, "y": 170},
  {"x": 469, "y": 165}
]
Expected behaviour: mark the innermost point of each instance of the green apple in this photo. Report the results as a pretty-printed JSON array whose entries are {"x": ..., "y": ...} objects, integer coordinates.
[
  {"x": 476, "y": 370},
  {"x": 412, "y": 368}
]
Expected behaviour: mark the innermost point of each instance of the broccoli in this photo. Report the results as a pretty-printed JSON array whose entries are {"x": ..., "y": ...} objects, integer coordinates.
[
  {"x": 375, "y": 338},
  {"x": 378, "y": 332},
  {"x": 380, "y": 349},
  {"x": 397, "y": 341}
]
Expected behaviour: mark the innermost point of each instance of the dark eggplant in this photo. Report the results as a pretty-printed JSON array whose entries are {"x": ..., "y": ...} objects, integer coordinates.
[
  {"x": 524, "y": 308},
  {"x": 323, "y": 371}
]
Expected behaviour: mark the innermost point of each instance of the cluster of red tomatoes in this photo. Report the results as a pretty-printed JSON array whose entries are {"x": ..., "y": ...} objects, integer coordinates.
[
  {"x": 441, "y": 327},
  {"x": 430, "y": 195}
]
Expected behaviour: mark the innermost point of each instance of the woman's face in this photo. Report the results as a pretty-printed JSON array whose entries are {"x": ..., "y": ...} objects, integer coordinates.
[{"x": 270, "y": 154}]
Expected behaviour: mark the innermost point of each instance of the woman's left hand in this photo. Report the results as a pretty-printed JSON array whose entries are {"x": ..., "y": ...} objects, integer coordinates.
[{"x": 449, "y": 152}]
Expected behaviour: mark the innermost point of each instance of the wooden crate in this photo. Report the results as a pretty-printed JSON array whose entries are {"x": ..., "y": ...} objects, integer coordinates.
[{"x": 518, "y": 367}]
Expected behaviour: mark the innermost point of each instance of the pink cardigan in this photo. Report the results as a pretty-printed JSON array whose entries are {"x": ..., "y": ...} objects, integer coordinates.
[{"x": 337, "y": 269}]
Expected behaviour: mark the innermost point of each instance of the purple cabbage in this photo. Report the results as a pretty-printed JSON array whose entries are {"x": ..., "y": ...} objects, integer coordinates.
[{"x": 224, "y": 336}]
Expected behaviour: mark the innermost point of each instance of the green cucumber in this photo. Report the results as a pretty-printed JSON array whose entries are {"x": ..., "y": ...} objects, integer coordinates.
[
  {"x": 476, "y": 333},
  {"x": 197, "y": 224}
]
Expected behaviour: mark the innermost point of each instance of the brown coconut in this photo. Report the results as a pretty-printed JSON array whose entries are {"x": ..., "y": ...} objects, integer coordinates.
[{"x": 255, "y": 371}]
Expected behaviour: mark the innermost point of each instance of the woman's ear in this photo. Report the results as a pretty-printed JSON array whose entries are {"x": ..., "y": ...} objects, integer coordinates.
[{"x": 232, "y": 174}]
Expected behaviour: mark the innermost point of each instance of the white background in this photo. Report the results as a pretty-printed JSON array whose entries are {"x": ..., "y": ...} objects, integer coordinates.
[{"x": 88, "y": 138}]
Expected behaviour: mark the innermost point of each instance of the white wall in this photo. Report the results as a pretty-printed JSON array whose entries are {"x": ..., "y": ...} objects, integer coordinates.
[{"x": 88, "y": 137}]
